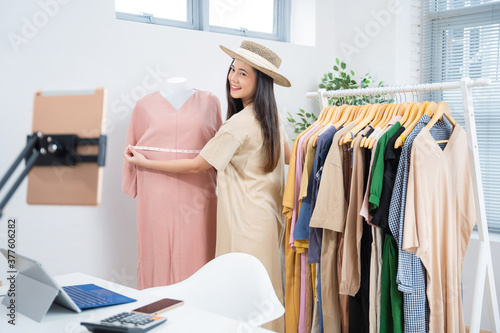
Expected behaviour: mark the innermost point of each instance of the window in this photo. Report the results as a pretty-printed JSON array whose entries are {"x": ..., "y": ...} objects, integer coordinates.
[
  {"x": 167, "y": 12},
  {"x": 266, "y": 19},
  {"x": 461, "y": 38}
]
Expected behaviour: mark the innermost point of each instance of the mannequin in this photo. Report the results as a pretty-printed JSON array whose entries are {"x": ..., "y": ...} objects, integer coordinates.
[
  {"x": 176, "y": 214},
  {"x": 176, "y": 91}
]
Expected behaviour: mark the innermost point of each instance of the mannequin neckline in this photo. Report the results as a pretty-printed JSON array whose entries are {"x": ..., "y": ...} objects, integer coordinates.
[{"x": 170, "y": 104}]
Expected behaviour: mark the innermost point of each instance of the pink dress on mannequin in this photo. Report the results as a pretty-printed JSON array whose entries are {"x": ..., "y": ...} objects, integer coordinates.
[{"x": 176, "y": 213}]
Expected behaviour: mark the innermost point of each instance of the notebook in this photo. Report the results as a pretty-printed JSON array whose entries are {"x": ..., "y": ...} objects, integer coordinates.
[{"x": 36, "y": 290}]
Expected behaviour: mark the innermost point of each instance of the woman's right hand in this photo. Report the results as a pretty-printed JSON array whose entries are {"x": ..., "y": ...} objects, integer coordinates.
[{"x": 134, "y": 157}]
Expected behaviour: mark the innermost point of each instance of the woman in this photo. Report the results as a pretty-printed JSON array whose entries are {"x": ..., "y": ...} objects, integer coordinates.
[{"x": 249, "y": 152}]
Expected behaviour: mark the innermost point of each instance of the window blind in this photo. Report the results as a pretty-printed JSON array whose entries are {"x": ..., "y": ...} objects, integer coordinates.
[{"x": 462, "y": 39}]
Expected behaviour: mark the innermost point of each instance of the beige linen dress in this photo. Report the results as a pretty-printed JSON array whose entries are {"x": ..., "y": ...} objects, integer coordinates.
[
  {"x": 439, "y": 219},
  {"x": 249, "y": 218}
]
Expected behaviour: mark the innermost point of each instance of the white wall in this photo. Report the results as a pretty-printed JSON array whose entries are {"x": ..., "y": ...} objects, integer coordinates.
[{"x": 83, "y": 45}]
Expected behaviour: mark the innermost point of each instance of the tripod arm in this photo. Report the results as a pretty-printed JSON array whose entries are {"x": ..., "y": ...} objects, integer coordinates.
[
  {"x": 28, "y": 149},
  {"x": 47, "y": 150}
]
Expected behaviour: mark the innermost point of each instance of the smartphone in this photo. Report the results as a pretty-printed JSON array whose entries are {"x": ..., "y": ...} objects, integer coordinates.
[{"x": 158, "y": 306}]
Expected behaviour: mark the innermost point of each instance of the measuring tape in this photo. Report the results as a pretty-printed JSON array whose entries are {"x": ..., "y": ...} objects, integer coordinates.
[{"x": 167, "y": 150}]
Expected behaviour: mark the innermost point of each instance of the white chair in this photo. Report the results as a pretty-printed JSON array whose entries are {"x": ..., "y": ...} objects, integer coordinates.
[{"x": 234, "y": 285}]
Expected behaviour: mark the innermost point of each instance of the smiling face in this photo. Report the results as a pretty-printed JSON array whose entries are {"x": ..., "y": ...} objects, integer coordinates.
[{"x": 243, "y": 82}]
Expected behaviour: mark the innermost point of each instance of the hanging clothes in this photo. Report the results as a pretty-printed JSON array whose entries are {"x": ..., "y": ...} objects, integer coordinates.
[
  {"x": 331, "y": 198},
  {"x": 351, "y": 218},
  {"x": 176, "y": 213},
  {"x": 411, "y": 273},
  {"x": 292, "y": 258}
]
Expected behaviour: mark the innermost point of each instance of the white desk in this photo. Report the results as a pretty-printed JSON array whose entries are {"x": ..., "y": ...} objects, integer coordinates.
[{"x": 181, "y": 319}]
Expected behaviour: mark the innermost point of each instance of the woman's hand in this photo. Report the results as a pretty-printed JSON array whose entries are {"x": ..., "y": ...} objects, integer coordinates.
[{"x": 133, "y": 157}]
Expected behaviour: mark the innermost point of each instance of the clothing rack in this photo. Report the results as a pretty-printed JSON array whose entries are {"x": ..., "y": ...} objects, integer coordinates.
[{"x": 484, "y": 270}]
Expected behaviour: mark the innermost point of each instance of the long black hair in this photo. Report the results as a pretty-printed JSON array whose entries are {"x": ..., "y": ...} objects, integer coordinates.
[{"x": 266, "y": 112}]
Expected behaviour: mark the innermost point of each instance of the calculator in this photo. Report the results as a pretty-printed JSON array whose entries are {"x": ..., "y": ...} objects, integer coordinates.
[{"x": 125, "y": 322}]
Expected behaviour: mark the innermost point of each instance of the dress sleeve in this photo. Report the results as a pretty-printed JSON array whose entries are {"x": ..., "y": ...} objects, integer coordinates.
[
  {"x": 129, "y": 171},
  {"x": 220, "y": 150},
  {"x": 217, "y": 113},
  {"x": 415, "y": 211}
]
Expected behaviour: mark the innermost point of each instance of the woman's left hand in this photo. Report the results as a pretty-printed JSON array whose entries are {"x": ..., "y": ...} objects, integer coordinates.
[{"x": 133, "y": 157}]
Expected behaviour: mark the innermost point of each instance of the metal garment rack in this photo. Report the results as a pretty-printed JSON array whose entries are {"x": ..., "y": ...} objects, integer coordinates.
[{"x": 484, "y": 270}]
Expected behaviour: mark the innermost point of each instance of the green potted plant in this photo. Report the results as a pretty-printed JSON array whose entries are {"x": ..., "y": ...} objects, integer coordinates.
[{"x": 340, "y": 78}]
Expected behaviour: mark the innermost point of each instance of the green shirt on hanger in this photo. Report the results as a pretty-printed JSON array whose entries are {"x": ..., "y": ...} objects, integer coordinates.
[{"x": 378, "y": 168}]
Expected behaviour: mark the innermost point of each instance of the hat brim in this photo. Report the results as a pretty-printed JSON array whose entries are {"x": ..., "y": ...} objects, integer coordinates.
[{"x": 278, "y": 78}]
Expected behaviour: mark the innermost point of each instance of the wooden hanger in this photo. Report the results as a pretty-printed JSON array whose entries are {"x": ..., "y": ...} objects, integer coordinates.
[
  {"x": 371, "y": 113},
  {"x": 411, "y": 126},
  {"x": 322, "y": 114},
  {"x": 339, "y": 111},
  {"x": 389, "y": 115},
  {"x": 328, "y": 114},
  {"x": 370, "y": 141},
  {"x": 339, "y": 114},
  {"x": 430, "y": 109},
  {"x": 356, "y": 112},
  {"x": 362, "y": 111},
  {"x": 412, "y": 115},
  {"x": 345, "y": 116},
  {"x": 380, "y": 115},
  {"x": 442, "y": 110},
  {"x": 352, "y": 114},
  {"x": 406, "y": 113},
  {"x": 403, "y": 108},
  {"x": 374, "y": 123}
]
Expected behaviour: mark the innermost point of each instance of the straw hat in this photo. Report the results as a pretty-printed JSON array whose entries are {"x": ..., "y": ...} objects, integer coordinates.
[{"x": 260, "y": 58}]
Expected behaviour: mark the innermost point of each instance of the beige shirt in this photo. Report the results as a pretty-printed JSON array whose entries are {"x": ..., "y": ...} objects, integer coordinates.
[
  {"x": 440, "y": 215},
  {"x": 351, "y": 260},
  {"x": 249, "y": 218},
  {"x": 331, "y": 207}
]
